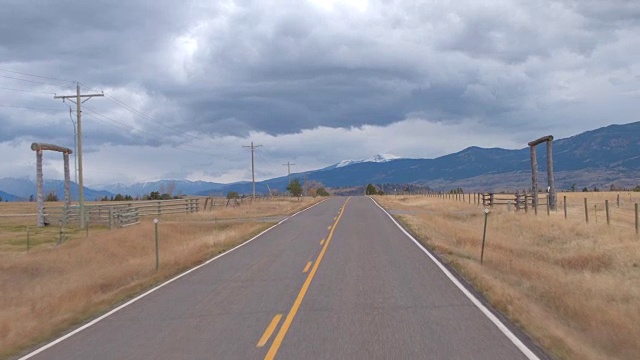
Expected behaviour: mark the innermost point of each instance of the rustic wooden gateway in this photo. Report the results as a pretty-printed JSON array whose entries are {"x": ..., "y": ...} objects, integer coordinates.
[
  {"x": 534, "y": 172},
  {"x": 39, "y": 148}
]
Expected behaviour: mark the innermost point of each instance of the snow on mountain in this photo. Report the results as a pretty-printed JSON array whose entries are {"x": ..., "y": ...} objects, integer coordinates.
[{"x": 380, "y": 158}]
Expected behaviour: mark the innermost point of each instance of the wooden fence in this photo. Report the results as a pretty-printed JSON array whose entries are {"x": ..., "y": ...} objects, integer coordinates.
[
  {"x": 620, "y": 213},
  {"x": 119, "y": 215},
  {"x": 518, "y": 200}
]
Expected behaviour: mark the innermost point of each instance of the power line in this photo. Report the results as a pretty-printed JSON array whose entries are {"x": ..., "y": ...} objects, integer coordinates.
[
  {"x": 136, "y": 112},
  {"x": 31, "y": 81},
  {"x": 132, "y": 130},
  {"x": 98, "y": 116},
  {"x": 141, "y": 114},
  {"x": 23, "y": 90},
  {"x": 38, "y": 76},
  {"x": 31, "y": 108}
]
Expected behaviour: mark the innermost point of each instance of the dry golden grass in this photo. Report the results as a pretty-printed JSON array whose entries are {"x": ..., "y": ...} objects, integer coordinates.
[
  {"x": 573, "y": 287},
  {"x": 622, "y": 216},
  {"x": 53, "y": 287},
  {"x": 17, "y": 222}
]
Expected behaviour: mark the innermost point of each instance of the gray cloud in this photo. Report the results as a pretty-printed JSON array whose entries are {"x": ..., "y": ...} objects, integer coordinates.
[{"x": 203, "y": 71}]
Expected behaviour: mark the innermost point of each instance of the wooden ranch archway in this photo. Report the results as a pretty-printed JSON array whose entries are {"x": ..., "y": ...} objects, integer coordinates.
[
  {"x": 534, "y": 171},
  {"x": 39, "y": 148}
]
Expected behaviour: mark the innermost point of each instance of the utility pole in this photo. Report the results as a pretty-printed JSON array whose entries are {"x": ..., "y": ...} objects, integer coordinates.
[
  {"x": 78, "y": 103},
  {"x": 288, "y": 165},
  {"x": 75, "y": 148},
  {"x": 253, "y": 173},
  {"x": 305, "y": 185}
]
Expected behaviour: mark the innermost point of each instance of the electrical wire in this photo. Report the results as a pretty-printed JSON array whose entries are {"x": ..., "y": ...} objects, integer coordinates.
[
  {"x": 122, "y": 127},
  {"x": 96, "y": 115},
  {"x": 131, "y": 109},
  {"x": 31, "y": 108},
  {"x": 31, "y": 81},
  {"x": 23, "y": 90},
  {"x": 136, "y": 112},
  {"x": 129, "y": 129},
  {"x": 38, "y": 76},
  {"x": 126, "y": 127}
]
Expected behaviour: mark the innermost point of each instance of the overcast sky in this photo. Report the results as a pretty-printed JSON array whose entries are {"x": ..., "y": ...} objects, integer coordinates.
[{"x": 187, "y": 84}]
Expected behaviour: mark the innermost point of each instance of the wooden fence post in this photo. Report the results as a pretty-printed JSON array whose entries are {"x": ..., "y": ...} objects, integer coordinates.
[
  {"x": 586, "y": 211},
  {"x": 526, "y": 203},
  {"x": 565, "y": 206},
  {"x": 636, "y": 218},
  {"x": 618, "y": 200},
  {"x": 606, "y": 208}
]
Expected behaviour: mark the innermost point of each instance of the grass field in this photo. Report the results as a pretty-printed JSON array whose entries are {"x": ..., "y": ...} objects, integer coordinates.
[
  {"x": 54, "y": 287},
  {"x": 574, "y": 287}
]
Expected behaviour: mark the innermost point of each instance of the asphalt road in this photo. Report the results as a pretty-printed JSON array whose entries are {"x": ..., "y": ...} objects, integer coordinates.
[{"x": 337, "y": 281}]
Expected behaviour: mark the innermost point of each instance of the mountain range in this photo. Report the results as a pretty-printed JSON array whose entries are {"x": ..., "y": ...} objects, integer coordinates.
[{"x": 605, "y": 158}]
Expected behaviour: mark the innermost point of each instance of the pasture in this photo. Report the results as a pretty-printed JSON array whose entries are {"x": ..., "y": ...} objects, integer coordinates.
[
  {"x": 53, "y": 287},
  {"x": 573, "y": 286}
]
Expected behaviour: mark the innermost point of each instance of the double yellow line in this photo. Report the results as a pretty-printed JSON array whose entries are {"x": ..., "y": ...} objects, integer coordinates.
[{"x": 296, "y": 305}]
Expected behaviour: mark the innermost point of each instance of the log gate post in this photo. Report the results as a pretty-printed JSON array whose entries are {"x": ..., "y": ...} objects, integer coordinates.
[
  {"x": 39, "y": 148},
  {"x": 534, "y": 171}
]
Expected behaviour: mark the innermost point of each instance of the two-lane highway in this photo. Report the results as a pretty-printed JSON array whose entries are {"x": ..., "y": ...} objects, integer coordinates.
[{"x": 339, "y": 280}]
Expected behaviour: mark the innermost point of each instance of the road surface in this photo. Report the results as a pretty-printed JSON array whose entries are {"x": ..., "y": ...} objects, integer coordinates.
[{"x": 338, "y": 281}]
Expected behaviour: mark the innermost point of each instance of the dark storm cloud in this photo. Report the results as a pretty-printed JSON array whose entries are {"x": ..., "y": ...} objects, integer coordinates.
[
  {"x": 99, "y": 41},
  {"x": 279, "y": 67}
]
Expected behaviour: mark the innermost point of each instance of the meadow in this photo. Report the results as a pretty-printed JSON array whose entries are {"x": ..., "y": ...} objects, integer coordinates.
[
  {"x": 54, "y": 287},
  {"x": 573, "y": 286}
]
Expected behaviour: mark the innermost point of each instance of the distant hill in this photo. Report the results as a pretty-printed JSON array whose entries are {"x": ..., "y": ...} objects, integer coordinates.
[
  {"x": 180, "y": 187},
  {"x": 24, "y": 188},
  {"x": 9, "y": 197},
  {"x": 600, "y": 158},
  {"x": 603, "y": 158}
]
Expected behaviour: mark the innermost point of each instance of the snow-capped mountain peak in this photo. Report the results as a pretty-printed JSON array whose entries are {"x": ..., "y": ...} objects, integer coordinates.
[{"x": 380, "y": 158}]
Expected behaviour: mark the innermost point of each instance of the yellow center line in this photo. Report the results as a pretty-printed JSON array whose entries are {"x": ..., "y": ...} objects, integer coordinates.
[
  {"x": 269, "y": 330},
  {"x": 321, "y": 241},
  {"x": 296, "y": 304},
  {"x": 306, "y": 268}
]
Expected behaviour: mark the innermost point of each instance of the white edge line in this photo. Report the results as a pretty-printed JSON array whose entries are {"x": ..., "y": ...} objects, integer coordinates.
[
  {"x": 505, "y": 330},
  {"x": 96, "y": 320}
]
